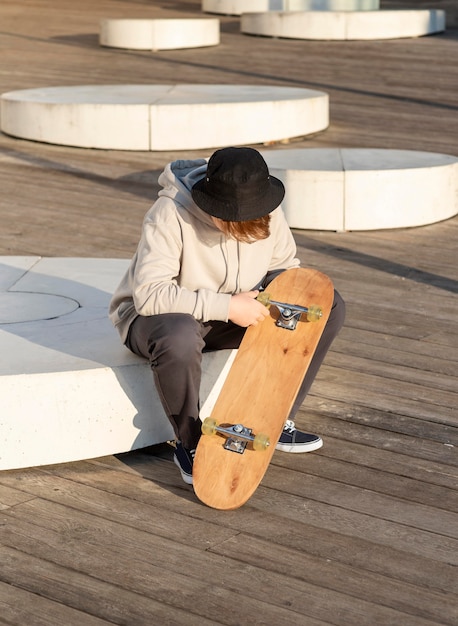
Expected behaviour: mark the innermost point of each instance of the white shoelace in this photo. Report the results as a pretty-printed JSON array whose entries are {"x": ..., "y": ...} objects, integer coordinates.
[{"x": 289, "y": 426}]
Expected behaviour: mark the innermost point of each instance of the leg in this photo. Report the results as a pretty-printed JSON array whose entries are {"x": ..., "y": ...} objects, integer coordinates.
[
  {"x": 293, "y": 440},
  {"x": 173, "y": 344},
  {"x": 332, "y": 328}
]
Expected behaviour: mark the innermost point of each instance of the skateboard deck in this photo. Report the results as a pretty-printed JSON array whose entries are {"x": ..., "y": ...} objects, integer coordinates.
[{"x": 260, "y": 389}]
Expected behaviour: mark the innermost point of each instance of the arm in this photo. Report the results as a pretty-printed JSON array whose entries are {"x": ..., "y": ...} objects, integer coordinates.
[
  {"x": 156, "y": 287},
  {"x": 245, "y": 310}
]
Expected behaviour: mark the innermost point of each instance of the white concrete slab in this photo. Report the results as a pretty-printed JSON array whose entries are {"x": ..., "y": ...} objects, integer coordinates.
[
  {"x": 365, "y": 189},
  {"x": 222, "y": 115},
  {"x": 398, "y": 188},
  {"x": 314, "y": 183},
  {"x": 395, "y": 24},
  {"x": 162, "y": 117},
  {"x": 344, "y": 25},
  {"x": 159, "y": 34},
  {"x": 69, "y": 389},
  {"x": 88, "y": 116},
  {"x": 237, "y": 7}
]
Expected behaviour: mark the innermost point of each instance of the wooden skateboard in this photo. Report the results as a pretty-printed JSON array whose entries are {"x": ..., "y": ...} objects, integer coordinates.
[{"x": 240, "y": 436}]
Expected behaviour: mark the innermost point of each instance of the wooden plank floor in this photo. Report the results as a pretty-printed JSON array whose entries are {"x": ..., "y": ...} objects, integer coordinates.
[{"x": 364, "y": 531}]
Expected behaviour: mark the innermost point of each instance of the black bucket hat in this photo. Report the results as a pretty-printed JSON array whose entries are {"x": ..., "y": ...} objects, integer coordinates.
[{"x": 237, "y": 186}]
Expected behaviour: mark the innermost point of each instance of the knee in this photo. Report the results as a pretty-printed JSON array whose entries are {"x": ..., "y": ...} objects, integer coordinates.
[{"x": 177, "y": 337}]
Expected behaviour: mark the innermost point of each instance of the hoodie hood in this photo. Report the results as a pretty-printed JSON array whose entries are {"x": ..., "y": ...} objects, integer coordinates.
[{"x": 177, "y": 181}]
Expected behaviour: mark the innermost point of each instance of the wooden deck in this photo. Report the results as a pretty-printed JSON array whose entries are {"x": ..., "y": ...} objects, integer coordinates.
[{"x": 363, "y": 532}]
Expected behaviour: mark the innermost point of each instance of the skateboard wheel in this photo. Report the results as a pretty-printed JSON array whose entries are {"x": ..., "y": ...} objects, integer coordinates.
[
  {"x": 209, "y": 426},
  {"x": 261, "y": 442},
  {"x": 314, "y": 313},
  {"x": 264, "y": 298}
]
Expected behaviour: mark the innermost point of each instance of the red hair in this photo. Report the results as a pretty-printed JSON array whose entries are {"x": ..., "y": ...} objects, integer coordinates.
[{"x": 248, "y": 231}]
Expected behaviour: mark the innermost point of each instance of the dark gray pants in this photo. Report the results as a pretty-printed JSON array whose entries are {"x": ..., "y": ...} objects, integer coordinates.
[{"x": 174, "y": 343}]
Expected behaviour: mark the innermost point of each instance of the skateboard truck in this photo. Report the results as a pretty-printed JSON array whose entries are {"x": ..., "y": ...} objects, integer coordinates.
[
  {"x": 290, "y": 313},
  {"x": 237, "y": 436}
]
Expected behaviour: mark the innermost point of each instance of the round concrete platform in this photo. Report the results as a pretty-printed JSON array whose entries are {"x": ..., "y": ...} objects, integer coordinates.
[
  {"x": 162, "y": 117},
  {"x": 365, "y": 189},
  {"x": 237, "y": 7},
  {"x": 159, "y": 34},
  {"x": 69, "y": 390},
  {"x": 340, "y": 25}
]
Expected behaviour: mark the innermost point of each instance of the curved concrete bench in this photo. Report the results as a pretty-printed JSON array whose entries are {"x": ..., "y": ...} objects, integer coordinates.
[
  {"x": 237, "y": 7},
  {"x": 159, "y": 34},
  {"x": 338, "y": 25},
  {"x": 365, "y": 189},
  {"x": 162, "y": 117},
  {"x": 69, "y": 390}
]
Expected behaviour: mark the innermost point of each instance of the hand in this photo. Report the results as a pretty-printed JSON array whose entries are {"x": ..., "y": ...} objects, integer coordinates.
[{"x": 245, "y": 310}]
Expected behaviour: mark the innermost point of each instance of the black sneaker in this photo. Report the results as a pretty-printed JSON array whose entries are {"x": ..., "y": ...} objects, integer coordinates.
[
  {"x": 293, "y": 440},
  {"x": 184, "y": 459}
]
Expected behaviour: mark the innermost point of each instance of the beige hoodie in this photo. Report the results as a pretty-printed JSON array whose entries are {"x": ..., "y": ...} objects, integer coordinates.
[{"x": 184, "y": 264}]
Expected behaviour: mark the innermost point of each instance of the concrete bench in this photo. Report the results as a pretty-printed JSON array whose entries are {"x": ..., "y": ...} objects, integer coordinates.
[
  {"x": 69, "y": 389},
  {"x": 159, "y": 34},
  {"x": 365, "y": 189},
  {"x": 339, "y": 25},
  {"x": 140, "y": 117},
  {"x": 237, "y": 7}
]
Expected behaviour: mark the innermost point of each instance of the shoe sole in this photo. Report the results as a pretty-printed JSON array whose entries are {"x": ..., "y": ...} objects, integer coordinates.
[{"x": 299, "y": 448}]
